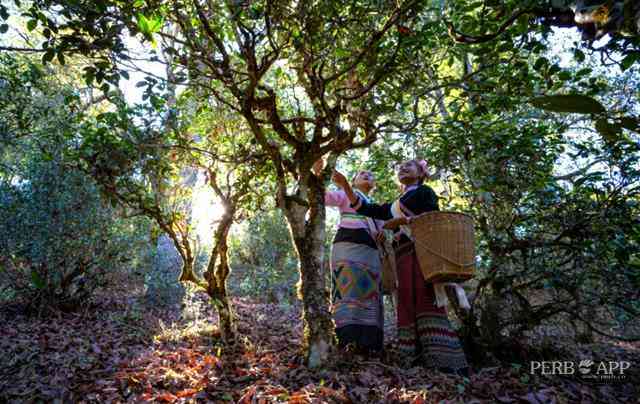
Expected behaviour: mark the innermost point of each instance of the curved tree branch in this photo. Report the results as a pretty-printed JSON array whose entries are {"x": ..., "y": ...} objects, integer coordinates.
[{"x": 469, "y": 39}]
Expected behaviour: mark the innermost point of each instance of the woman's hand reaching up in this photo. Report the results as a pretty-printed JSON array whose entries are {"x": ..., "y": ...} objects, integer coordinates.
[{"x": 340, "y": 180}]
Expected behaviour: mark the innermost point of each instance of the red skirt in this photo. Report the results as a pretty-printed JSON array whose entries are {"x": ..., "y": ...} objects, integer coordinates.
[{"x": 425, "y": 334}]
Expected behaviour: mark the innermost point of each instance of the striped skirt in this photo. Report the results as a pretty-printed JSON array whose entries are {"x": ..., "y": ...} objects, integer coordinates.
[
  {"x": 357, "y": 290},
  {"x": 425, "y": 334}
]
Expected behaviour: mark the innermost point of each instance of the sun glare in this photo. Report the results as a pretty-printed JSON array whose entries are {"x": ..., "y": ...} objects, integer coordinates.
[{"x": 205, "y": 210}]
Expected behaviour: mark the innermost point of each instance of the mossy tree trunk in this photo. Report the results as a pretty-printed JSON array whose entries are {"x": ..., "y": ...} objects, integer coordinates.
[
  {"x": 216, "y": 277},
  {"x": 308, "y": 237}
]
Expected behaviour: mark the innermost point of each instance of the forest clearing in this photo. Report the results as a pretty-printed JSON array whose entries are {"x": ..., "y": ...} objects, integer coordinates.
[{"x": 260, "y": 201}]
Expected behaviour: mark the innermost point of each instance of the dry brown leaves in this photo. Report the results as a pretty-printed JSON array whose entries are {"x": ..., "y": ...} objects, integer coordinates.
[{"x": 109, "y": 354}]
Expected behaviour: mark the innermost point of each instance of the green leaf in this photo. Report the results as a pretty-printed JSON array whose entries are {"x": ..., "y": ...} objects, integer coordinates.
[
  {"x": 48, "y": 56},
  {"x": 4, "y": 28},
  {"x": 628, "y": 61},
  {"x": 571, "y": 103},
  {"x": 583, "y": 72},
  {"x": 505, "y": 46},
  {"x": 155, "y": 24},
  {"x": 630, "y": 123},
  {"x": 554, "y": 69},
  {"x": 579, "y": 55},
  {"x": 540, "y": 63},
  {"x": 227, "y": 397},
  {"x": 608, "y": 131},
  {"x": 450, "y": 61},
  {"x": 31, "y": 24},
  {"x": 138, "y": 3},
  {"x": 61, "y": 58},
  {"x": 36, "y": 279},
  {"x": 89, "y": 77},
  {"x": 143, "y": 23},
  {"x": 148, "y": 26},
  {"x": 342, "y": 53}
]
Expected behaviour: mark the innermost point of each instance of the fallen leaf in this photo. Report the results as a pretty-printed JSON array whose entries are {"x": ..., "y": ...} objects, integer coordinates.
[
  {"x": 166, "y": 397},
  {"x": 186, "y": 393},
  {"x": 247, "y": 396}
]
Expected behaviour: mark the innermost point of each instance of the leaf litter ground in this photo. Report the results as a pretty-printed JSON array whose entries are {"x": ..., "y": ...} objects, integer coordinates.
[{"x": 121, "y": 349}]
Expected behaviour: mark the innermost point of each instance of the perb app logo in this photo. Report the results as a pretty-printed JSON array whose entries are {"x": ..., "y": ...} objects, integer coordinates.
[
  {"x": 585, "y": 366},
  {"x": 585, "y": 369}
]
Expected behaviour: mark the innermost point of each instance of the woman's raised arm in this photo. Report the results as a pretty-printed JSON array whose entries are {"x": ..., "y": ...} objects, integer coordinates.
[{"x": 373, "y": 210}]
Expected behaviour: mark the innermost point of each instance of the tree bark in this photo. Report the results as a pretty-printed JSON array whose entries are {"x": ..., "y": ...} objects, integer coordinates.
[
  {"x": 308, "y": 236},
  {"x": 181, "y": 243},
  {"x": 187, "y": 273},
  {"x": 216, "y": 276}
]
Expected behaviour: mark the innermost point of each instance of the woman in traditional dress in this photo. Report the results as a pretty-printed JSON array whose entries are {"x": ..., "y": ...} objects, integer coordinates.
[
  {"x": 356, "y": 270},
  {"x": 425, "y": 334}
]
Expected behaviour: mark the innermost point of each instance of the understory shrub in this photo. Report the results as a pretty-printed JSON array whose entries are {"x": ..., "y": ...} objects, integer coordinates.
[
  {"x": 263, "y": 263},
  {"x": 59, "y": 238}
]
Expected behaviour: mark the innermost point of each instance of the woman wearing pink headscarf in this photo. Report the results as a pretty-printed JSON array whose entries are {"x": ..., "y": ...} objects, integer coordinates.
[{"x": 425, "y": 335}]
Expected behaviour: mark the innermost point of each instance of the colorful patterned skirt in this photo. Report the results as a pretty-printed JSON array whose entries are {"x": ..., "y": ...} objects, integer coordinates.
[
  {"x": 357, "y": 290},
  {"x": 425, "y": 334}
]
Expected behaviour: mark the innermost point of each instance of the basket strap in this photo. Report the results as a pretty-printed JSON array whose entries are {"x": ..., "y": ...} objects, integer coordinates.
[
  {"x": 372, "y": 227},
  {"x": 398, "y": 212},
  {"x": 423, "y": 245}
]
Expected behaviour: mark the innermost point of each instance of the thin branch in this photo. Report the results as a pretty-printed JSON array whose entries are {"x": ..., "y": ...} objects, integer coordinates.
[
  {"x": 583, "y": 170},
  {"x": 470, "y": 39},
  {"x": 370, "y": 45},
  {"x": 211, "y": 34},
  {"x": 17, "y": 49}
]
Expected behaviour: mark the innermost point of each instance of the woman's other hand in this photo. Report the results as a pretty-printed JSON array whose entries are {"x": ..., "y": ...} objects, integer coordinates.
[
  {"x": 339, "y": 179},
  {"x": 394, "y": 223}
]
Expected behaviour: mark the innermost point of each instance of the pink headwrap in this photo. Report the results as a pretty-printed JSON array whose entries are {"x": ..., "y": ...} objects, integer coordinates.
[{"x": 423, "y": 164}]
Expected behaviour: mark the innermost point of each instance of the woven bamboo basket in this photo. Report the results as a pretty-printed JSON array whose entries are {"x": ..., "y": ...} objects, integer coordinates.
[{"x": 445, "y": 246}]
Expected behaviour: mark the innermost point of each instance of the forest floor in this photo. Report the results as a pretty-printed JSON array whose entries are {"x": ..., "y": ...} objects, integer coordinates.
[{"x": 121, "y": 349}]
